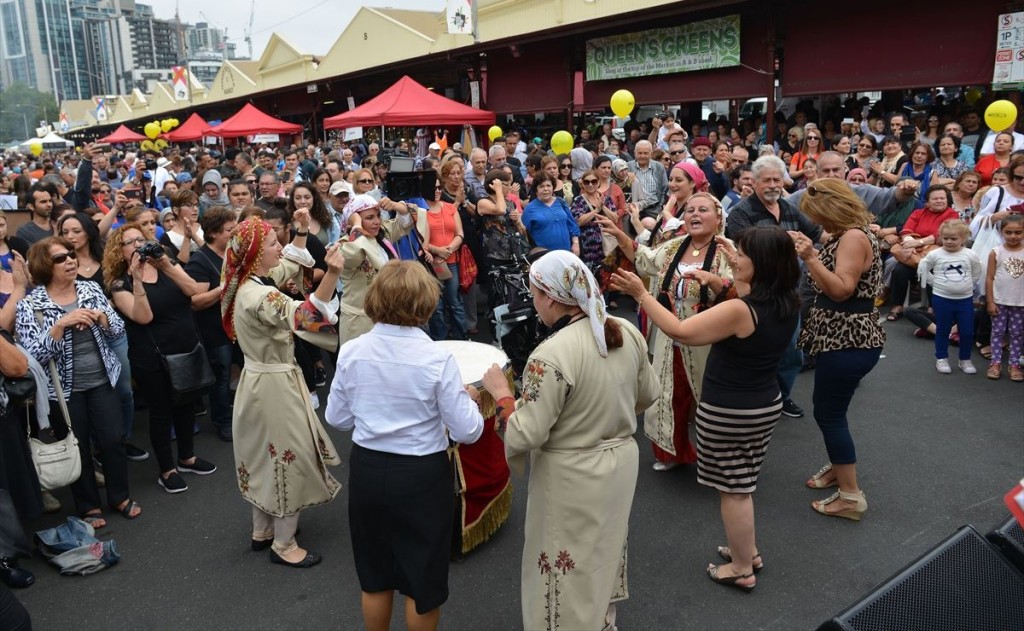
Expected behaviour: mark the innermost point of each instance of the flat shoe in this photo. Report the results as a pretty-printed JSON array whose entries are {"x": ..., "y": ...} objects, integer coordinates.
[
  {"x": 729, "y": 581},
  {"x": 311, "y": 559},
  {"x": 757, "y": 561}
]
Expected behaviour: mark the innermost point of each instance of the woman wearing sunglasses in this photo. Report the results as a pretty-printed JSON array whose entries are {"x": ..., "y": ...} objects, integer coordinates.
[
  {"x": 70, "y": 322},
  {"x": 585, "y": 208},
  {"x": 810, "y": 148},
  {"x": 364, "y": 183}
]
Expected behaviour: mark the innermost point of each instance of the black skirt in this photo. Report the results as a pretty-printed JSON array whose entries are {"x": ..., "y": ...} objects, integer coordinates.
[{"x": 400, "y": 515}]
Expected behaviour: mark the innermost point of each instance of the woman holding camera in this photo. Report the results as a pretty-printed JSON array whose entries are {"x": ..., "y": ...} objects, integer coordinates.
[{"x": 155, "y": 297}]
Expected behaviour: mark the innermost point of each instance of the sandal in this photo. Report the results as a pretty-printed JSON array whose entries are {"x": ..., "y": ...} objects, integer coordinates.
[
  {"x": 1016, "y": 374},
  {"x": 894, "y": 315},
  {"x": 730, "y": 581},
  {"x": 855, "y": 513},
  {"x": 986, "y": 351},
  {"x": 95, "y": 519},
  {"x": 757, "y": 562},
  {"x": 994, "y": 372},
  {"x": 128, "y": 508},
  {"x": 816, "y": 481}
]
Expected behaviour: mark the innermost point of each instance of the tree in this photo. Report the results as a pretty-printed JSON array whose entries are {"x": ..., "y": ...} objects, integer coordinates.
[{"x": 21, "y": 109}]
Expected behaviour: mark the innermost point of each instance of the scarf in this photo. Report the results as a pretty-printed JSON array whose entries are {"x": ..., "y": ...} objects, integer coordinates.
[
  {"x": 241, "y": 258},
  {"x": 581, "y": 160},
  {"x": 700, "y": 181},
  {"x": 564, "y": 278}
]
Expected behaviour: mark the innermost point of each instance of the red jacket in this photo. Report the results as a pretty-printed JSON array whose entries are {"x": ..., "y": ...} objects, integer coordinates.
[{"x": 924, "y": 222}]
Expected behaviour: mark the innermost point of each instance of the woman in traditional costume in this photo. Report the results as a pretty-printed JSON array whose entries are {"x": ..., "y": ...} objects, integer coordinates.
[
  {"x": 582, "y": 390},
  {"x": 281, "y": 449}
]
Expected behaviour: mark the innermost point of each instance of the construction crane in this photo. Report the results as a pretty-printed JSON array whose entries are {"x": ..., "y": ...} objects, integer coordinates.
[{"x": 248, "y": 31}]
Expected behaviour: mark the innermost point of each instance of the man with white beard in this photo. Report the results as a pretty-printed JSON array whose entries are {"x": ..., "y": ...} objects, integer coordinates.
[{"x": 766, "y": 207}]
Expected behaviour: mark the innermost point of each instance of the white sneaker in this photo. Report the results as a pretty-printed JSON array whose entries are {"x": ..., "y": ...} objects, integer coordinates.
[
  {"x": 314, "y": 399},
  {"x": 967, "y": 367},
  {"x": 664, "y": 466},
  {"x": 942, "y": 365}
]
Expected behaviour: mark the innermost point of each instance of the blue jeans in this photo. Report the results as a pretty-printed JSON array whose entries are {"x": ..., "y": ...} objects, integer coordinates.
[
  {"x": 220, "y": 395},
  {"x": 948, "y": 310},
  {"x": 836, "y": 377},
  {"x": 123, "y": 387},
  {"x": 790, "y": 364},
  {"x": 449, "y": 304}
]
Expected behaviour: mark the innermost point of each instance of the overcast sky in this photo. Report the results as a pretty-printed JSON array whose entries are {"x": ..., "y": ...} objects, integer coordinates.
[{"x": 312, "y": 26}]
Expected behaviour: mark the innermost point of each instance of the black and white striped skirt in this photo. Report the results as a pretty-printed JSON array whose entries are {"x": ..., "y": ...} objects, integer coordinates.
[{"x": 731, "y": 445}]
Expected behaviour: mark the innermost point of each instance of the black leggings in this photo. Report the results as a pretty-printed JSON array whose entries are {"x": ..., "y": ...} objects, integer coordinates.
[
  {"x": 163, "y": 413},
  {"x": 96, "y": 418},
  {"x": 13, "y": 615},
  {"x": 902, "y": 276}
]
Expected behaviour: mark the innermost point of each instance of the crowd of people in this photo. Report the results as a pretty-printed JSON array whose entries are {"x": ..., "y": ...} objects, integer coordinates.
[{"x": 750, "y": 261}]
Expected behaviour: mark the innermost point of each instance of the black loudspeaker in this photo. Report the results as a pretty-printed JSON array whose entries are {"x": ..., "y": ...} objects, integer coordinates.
[
  {"x": 1009, "y": 538},
  {"x": 403, "y": 186},
  {"x": 962, "y": 583}
]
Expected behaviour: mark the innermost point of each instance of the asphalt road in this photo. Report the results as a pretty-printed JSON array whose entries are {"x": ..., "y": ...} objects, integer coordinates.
[{"x": 935, "y": 452}]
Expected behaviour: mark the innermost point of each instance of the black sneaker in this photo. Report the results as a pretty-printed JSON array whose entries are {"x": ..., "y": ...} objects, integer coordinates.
[
  {"x": 135, "y": 454},
  {"x": 199, "y": 467},
  {"x": 173, "y": 483},
  {"x": 319, "y": 377},
  {"x": 792, "y": 409}
]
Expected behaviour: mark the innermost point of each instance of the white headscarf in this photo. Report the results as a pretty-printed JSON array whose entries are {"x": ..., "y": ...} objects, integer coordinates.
[
  {"x": 564, "y": 278},
  {"x": 581, "y": 160}
]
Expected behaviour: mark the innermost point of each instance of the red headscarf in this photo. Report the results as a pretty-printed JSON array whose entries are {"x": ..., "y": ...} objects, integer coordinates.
[
  {"x": 241, "y": 258},
  {"x": 700, "y": 181}
]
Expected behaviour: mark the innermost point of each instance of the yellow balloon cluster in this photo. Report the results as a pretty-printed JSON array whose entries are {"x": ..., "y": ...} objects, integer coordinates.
[
  {"x": 35, "y": 147},
  {"x": 561, "y": 142},
  {"x": 147, "y": 145},
  {"x": 1000, "y": 115},
  {"x": 494, "y": 132}
]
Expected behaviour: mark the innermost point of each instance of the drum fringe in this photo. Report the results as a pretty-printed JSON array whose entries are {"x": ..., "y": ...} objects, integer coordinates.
[{"x": 492, "y": 517}]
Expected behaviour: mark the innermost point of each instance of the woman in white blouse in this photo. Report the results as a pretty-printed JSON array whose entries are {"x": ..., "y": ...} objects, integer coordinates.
[{"x": 400, "y": 482}]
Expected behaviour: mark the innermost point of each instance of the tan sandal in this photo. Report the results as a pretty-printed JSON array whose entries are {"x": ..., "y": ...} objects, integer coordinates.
[
  {"x": 816, "y": 481},
  {"x": 1016, "y": 373},
  {"x": 995, "y": 371},
  {"x": 852, "y": 513}
]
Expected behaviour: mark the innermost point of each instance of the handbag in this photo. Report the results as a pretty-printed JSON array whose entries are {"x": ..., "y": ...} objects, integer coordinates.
[
  {"x": 57, "y": 464},
  {"x": 441, "y": 270},
  {"x": 190, "y": 373},
  {"x": 911, "y": 257},
  {"x": 467, "y": 269}
]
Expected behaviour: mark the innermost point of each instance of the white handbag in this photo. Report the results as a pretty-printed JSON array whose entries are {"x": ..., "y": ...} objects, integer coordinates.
[{"x": 58, "y": 464}]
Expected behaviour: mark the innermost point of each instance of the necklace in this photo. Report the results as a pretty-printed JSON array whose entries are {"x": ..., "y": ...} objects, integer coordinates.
[{"x": 696, "y": 250}]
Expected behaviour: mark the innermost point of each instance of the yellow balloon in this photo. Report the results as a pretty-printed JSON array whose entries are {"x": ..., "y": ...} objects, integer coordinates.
[
  {"x": 622, "y": 103},
  {"x": 1000, "y": 115},
  {"x": 152, "y": 130},
  {"x": 561, "y": 142},
  {"x": 494, "y": 132},
  {"x": 35, "y": 147},
  {"x": 147, "y": 145},
  {"x": 160, "y": 144},
  {"x": 165, "y": 125},
  {"x": 174, "y": 123},
  {"x": 972, "y": 96}
]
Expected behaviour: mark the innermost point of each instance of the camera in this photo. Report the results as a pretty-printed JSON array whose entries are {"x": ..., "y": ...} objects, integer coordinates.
[
  {"x": 132, "y": 193},
  {"x": 151, "y": 165},
  {"x": 150, "y": 250},
  {"x": 404, "y": 186}
]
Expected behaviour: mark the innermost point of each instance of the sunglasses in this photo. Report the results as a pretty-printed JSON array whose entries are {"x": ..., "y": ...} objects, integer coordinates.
[
  {"x": 589, "y": 182},
  {"x": 134, "y": 242},
  {"x": 565, "y": 166},
  {"x": 813, "y": 138},
  {"x": 60, "y": 258},
  {"x": 865, "y": 146},
  {"x": 1018, "y": 178},
  {"x": 676, "y": 153},
  {"x": 365, "y": 181},
  {"x": 813, "y": 191},
  {"x": 793, "y": 136}
]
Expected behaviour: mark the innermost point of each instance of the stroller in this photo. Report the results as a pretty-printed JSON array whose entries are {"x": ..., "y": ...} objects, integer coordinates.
[{"x": 512, "y": 316}]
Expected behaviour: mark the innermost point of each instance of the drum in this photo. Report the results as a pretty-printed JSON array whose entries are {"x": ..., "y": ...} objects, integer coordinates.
[
  {"x": 473, "y": 359},
  {"x": 483, "y": 481}
]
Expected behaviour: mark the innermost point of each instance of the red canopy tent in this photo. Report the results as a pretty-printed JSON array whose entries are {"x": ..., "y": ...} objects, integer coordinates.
[
  {"x": 408, "y": 103},
  {"x": 249, "y": 121},
  {"x": 122, "y": 134},
  {"x": 192, "y": 129}
]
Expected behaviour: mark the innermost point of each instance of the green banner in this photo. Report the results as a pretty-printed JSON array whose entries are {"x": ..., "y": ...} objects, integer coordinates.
[{"x": 697, "y": 46}]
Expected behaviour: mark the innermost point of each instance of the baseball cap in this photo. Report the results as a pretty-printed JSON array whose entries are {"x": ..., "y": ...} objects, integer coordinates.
[
  {"x": 434, "y": 146},
  {"x": 184, "y": 177},
  {"x": 340, "y": 187}
]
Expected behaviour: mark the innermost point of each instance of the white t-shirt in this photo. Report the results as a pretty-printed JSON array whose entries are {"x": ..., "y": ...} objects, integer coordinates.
[
  {"x": 987, "y": 206},
  {"x": 952, "y": 275}
]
